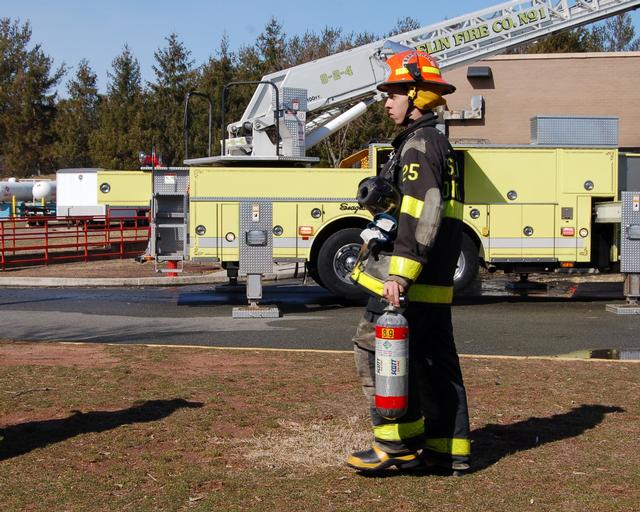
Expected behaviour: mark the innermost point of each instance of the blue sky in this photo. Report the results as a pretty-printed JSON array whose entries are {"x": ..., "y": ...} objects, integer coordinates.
[{"x": 70, "y": 30}]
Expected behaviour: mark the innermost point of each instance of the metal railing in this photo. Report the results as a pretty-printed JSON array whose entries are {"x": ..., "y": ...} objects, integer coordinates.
[{"x": 45, "y": 240}]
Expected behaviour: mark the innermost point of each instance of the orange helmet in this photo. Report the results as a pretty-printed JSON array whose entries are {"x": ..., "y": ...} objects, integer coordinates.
[{"x": 414, "y": 67}]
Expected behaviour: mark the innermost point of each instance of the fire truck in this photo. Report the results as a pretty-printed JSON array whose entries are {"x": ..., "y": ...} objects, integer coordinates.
[{"x": 261, "y": 200}]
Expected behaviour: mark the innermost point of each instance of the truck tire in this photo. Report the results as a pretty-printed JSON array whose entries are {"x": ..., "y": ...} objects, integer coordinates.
[
  {"x": 336, "y": 259},
  {"x": 312, "y": 270},
  {"x": 468, "y": 264}
]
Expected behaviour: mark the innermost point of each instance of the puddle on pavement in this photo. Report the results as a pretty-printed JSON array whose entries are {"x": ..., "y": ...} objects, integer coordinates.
[
  {"x": 561, "y": 288},
  {"x": 626, "y": 354},
  {"x": 508, "y": 287}
]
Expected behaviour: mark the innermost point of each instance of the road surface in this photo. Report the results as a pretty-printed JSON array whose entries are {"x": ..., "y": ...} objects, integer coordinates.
[{"x": 487, "y": 320}]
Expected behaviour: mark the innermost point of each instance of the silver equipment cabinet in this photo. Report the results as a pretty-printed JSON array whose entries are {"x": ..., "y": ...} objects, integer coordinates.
[
  {"x": 170, "y": 218},
  {"x": 629, "y": 254}
]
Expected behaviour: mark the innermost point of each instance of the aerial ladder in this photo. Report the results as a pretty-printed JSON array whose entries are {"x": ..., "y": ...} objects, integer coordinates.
[
  {"x": 316, "y": 99},
  {"x": 294, "y": 109}
]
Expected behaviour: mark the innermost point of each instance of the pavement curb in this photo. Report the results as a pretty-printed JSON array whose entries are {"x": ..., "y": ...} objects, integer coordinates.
[{"x": 63, "y": 282}]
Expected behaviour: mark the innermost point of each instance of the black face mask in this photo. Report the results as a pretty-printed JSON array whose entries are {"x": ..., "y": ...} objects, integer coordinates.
[{"x": 379, "y": 195}]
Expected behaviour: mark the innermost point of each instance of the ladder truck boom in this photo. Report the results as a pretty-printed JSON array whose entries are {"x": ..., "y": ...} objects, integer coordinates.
[{"x": 336, "y": 89}]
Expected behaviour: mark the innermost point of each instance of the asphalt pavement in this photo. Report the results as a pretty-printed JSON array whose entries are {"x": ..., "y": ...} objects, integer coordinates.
[{"x": 487, "y": 320}]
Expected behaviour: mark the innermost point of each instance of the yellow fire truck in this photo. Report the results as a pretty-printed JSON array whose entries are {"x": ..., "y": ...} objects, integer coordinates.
[
  {"x": 124, "y": 193},
  {"x": 527, "y": 207}
]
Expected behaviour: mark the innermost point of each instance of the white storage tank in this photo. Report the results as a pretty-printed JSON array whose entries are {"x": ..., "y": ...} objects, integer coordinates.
[
  {"x": 21, "y": 190},
  {"x": 44, "y": 190}
]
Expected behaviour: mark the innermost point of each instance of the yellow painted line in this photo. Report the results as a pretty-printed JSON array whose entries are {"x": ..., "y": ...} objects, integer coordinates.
[
  {"x": 548, "y": 358},
  {"x": 321, "y": 351}
]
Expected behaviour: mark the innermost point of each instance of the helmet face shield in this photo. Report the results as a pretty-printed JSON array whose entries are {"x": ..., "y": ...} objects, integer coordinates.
[{"x": 378, "y": 195}]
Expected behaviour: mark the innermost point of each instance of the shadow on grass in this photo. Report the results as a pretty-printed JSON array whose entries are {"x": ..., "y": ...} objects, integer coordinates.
[
  {"x": 19, "y": 439},
  {"x": 493, "y": 442}
]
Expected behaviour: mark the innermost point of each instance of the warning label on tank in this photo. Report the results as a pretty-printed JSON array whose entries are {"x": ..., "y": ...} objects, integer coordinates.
[
  {"x": 391, "y": 366},
  {"x": 391, "y": 333}
]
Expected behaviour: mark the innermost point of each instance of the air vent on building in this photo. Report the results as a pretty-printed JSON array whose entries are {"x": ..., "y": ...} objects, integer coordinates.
[
  {"x": 574, "y": 131},
  {"x": 479, "y": 72}
]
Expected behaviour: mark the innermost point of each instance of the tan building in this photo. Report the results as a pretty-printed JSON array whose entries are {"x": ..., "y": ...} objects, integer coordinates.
[{"x": 519, "y": 87}]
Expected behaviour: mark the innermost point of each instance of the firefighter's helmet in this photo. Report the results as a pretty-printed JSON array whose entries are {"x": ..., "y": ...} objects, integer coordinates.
[
  {"x": 415, "y": 68},
  {"x": 378, "y": 195}
]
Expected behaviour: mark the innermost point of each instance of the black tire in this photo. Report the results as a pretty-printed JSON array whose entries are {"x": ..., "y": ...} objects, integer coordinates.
[
  {"x": 312, "y": 270},
  {"x": 336, "y": 259},
  {"x": 468, "y": 264}
]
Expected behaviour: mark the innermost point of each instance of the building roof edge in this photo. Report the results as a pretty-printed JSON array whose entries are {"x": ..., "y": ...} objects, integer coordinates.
[{"x": 585, "y": 55}]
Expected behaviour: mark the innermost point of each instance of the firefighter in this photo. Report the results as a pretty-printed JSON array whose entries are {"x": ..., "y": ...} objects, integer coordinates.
[{"x": 418, "y": 264}]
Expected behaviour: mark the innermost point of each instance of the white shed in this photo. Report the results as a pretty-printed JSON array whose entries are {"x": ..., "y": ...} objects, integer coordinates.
[{"x": 77, "y": 193}]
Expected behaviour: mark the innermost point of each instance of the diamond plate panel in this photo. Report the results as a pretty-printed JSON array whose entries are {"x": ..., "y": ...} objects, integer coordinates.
[
  {"x": 169, "y": 242},
  {"x": 294, "y": 107},
  {"x": 630, "y": 250},
  {"x": 170, "y": 181},
  {"x": 256, "y": 216},
  {"x": 574, "y": 131}
]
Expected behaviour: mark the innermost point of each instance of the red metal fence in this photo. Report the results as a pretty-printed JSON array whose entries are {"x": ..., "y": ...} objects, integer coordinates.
[{"x": 45, "y": 240}]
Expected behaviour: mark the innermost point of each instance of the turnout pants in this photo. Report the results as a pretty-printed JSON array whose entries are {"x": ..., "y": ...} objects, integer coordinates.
[{"x": 437, "y": 419}]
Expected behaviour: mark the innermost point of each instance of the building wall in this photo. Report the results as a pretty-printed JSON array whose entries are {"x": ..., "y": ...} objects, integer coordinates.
[{"x": 523, "y": 86}]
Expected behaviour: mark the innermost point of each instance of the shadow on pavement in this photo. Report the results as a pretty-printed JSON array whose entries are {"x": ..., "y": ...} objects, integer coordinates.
[
  {"x": 288, "y": 298},
  {"x": 14, "y": 303},
  {"x": 493, "y": 442},
  {"x": 19, "y": 439}
]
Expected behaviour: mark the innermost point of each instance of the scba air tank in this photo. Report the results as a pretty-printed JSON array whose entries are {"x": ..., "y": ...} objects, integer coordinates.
[{"x": 392, "y": 364}]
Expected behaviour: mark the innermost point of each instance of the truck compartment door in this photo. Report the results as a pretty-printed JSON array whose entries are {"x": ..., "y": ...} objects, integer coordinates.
[
  {"x": 538, "y": 231},
  {"x": 505, "y": 233},
  {"x": 285, "y": 230}
]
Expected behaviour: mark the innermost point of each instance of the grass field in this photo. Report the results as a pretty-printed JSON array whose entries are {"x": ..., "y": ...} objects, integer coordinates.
[{"x": 95, "y": 427}]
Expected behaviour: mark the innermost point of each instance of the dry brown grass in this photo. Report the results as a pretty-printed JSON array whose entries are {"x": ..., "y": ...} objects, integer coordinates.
[
  {"x": 94, "y": 427},
  {"x": 305, "y": 447}
]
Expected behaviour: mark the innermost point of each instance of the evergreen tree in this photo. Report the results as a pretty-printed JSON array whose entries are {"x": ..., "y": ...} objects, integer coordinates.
[
  {"x": 77, "y": 119},
  {"x": 311, "y": 46},
  {"x": 27, "y": 101},
  {"x": 216, "y": 73},
  {"x": 175, "y": 76},
  {"x": 405, "y": 24},
  {"x": 271, "y": 48},
  {"x": 120, "y": 135},
  {"x": 248, "y": 68}
]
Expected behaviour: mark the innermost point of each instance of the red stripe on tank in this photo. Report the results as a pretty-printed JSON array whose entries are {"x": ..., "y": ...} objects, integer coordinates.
[
  {"x": 392, "y": 402},
  {"x": 391, "y": 333}
]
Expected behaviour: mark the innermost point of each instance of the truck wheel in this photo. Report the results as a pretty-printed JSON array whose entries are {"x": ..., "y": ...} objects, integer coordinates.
[
  {"x": 468, "y": 264},
  {"x": 312, "y": 270},
  {"x": 336, "y": 260}
]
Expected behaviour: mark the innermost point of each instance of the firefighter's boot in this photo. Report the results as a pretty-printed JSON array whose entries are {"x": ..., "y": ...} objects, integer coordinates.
[
  {"x": 443, "y": 467},
  {"x": 374, "y": 460}
]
